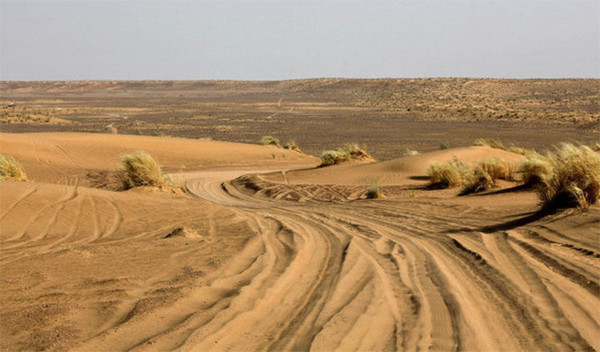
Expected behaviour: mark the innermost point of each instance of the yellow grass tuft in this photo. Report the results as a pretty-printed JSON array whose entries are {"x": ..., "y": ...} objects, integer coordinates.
[
  {"x": 574, "y": 180},
  {"x": 270, "y": 140},
  {"x": 347, "y": 152},
  {"x": 478, "y": 180},
  {"x": 140, "y": 169},
  {"x": 11, "y": 169},
  {"x": 446, "y": 175},
  {"x": 490, "y": 142},
  {"x": 292, "y": 145}
]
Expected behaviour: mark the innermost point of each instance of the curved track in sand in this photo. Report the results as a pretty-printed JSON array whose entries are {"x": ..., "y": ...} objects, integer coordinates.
[{"x": 368, "y": 275}]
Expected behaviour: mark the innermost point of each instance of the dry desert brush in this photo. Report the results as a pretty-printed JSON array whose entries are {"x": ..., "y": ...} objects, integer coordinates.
[
  {"x": 446, "y": 175},
  {"x": 483, "y": 177},
  {"x": 11, "y": 169},
  {"x": 292, "y": 145},
  {"x": 347, "y": 152},
  {"x": 270, "y": 140},
  {"x": 568, "y": 177},
  {"x": 140, "y": 169},
  {"x": 490, "y": 142}
]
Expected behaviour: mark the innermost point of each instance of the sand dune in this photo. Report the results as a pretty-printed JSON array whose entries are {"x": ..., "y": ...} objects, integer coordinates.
[{"x": 220, "y": 268}]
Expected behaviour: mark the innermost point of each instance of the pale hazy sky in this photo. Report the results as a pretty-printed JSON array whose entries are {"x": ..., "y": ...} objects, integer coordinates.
[{"x": 251, "y": 40}]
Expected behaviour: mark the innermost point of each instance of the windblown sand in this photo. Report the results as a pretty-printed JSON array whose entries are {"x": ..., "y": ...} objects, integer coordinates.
[{"x": 253, "y": 248}]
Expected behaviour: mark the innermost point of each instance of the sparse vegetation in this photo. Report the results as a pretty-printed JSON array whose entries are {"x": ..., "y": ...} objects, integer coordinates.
[
  {"x": 444, "y": 145},
  {"x": 347, "y": 152},
  {"x": 446, "y": 175},
  {"x": 496, "y": 168},
  {"x": 374, "y": 191},
  {"x": 478, "y": 180},
  {"x": 410, "y": 152},
  {"x": 568, "y": 177},
  {"x": 490, "y": 142},
  {"x": 270, "y": 140},
  {"x": 535, "y": 170},
  {"x": 292, "y": 145},
  {"x": 11, "y": 169},
  {"x": 140, "y": 169}
]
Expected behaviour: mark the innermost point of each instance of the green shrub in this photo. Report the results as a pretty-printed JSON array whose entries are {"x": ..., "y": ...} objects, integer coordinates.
[
  {"x": 140, "y": 169},
  {"x": 446, "y": 175},
  {"x": 11, "y": 169},
  {"x": 270, "y": 140}
]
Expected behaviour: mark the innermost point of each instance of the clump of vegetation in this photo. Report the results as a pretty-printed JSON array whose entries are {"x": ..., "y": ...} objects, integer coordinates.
[
  {"x": 270, "y": 140},
  {"x": 497, "y": 168},
  {"x": 446, "y": 175},
  {"x": 11, "y": 169},
  {"x": 570, "y": 179},
  {"x": 345, "y": 153},
  {"x": 535, "y": 170},
  {"x": 374, "y": 191},
  {"x": 410, "y": 152},
  {"x": 483, "y": 177},
  {"x": 490, "y": 142},
  {"x": 478, "y": 180},
  {"x": 444, "y": 145},
  {"x": 292, "y": 145},
  {"x": 333, "y": 157},
  {"x": 140, "y": 169}
]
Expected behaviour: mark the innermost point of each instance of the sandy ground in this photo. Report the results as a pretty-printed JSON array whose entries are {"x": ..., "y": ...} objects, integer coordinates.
[{"x": 290, "y": 257}]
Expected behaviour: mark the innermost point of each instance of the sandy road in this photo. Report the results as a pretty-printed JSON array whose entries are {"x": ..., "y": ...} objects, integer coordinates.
[{"x": 405, "y": 275}]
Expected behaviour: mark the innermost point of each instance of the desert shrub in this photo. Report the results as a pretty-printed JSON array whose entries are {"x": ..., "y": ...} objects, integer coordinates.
[
  {"x": 292, "y": 145},
  {"x": 444, "y": 145},
  {"x": 478, "y": 180},
  {"x": 356, "y": 152},
  {"x": 446, "y": 175},
  {"x": 522, "y": 151},
  {"x": 574, "y": 180},
  {"x": 373, "y": 191},
  {"x": 11, "y": 169},
  {"x": 496, "y": 168},
  {"x": 490, "y": 142},
  {"x": 535, "y": 170},
  {"x": 345, "y": 153},
  {"x": 140, "y": 169},
  {"x": 595, "y": 147},
  {"x": 410, "y": 152},
  {"x": 270, "y": 140},
  {"x": 333, "y": 157}
]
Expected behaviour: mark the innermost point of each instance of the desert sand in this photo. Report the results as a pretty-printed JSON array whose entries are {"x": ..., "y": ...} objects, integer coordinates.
[{"x": 256, "y": 248}]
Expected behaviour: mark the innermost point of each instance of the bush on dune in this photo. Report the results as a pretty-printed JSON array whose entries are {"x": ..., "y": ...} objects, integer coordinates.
[
  {"x": 270, "y": 140},
  {"x": 446, "y": 175},
  {"x": 570, "y": 178},
  {"x": 490, "y": 142},
  {"x": 11, "y": 169},
  {"x": 345, "y": 153},
  {"x": 292, "y": 145},
  {"x": 478, "y": 180},
  {"x": 140, "y": 169}
]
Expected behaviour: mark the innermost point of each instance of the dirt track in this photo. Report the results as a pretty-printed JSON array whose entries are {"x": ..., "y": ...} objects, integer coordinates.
[{"x": 87, "y": 269}]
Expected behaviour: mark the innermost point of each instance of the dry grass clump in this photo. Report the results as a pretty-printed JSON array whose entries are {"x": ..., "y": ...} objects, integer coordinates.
[
  {"x": 485, "y": 174},
  {"x": 140, "y": 169},
  {"x": 478, "y": 180},
  {"x": 490, "y": 142},
  {"x": 270, "y": 140},
  {"x": 571, "y": 178},
  {"x": 535, "y": 170},
  {"x": 446, "y": 175},
  {"x": 410, "y": 152},
  {"x": 497, "y": 168},
  {"x": 333, "y": 157},
  {"x": 374, "y": 191},
  {"x": 292, "y": 145},
  {"x": 345, "y": 153},
  {"x": 11, "y": 169}
]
